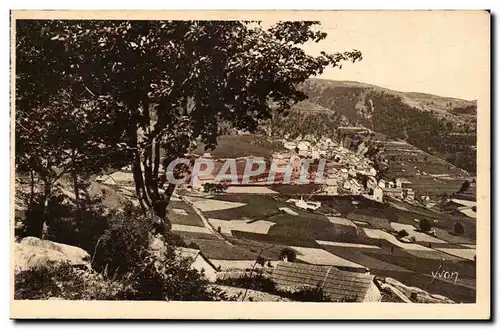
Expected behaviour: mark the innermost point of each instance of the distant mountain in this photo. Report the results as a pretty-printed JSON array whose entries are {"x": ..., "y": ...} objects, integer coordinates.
[
  {"x": 453, "y": 109},
  {"x": 441, "y": 126}
]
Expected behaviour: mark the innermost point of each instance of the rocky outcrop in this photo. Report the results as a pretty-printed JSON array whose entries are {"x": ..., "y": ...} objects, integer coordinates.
[
  {"x": 33, "y": 252},
  {"x": 402, "y": 293}
]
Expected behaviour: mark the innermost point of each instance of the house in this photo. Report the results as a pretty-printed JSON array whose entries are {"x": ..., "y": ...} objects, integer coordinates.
[
  {"x": 344, "y": 173},
  {"x": 199, "y": 262},
  {"x": 199, "y": 181},
  {"x": 356, "y": 187},
  {"x": 352, "y": 172},
  {"x": 290, "y": 145},
  {"x": 402, "y": 183},
  {"x": 347, "y": 185},
  {"x": 391, "y": 184},
  {"x": 337, "y": 284},
  {"x": 371, "y": 183},
  {"x": 308, "y": 205},
  {"x": 330, "y": 187},
  {"x": 315, "y": 153},
  {"x": 378, "y": 194},
  {"x": 393, "y": 192},
  {"x": 304, "y": 147},
  {"x": 381, "y": 183},
  {"x": 409, "y": 194}
]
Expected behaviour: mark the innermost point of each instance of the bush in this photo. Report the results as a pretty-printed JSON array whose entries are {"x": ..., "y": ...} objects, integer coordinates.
[
  {"x": 458, "y": 228},
  {"x": 63, "y": 281},
  {"x": 193, "y": 245},
  {"x": 402, "y": 234},
  {"x": 304, "y": 293},
  {"x": 289, "y": 254},
  {"x": 170, "y": 277},
  {"x": 252, "y": 280},
  {"x": 124, "y": 243},
  {"x": 176, "y": 240},
  {"x": 260, "y": 282},
  {"x": 425, "y": 225}
]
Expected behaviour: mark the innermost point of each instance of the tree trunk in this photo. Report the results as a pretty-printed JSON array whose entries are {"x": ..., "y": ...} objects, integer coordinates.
[
  {"x": 32, "y": 188},
  {"x": 76, "y": 189}
]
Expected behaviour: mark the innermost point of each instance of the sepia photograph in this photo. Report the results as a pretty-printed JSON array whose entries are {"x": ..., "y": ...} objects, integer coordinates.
[{"x": 322, "y": 164}]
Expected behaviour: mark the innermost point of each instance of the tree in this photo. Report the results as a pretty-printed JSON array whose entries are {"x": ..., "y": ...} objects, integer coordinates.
[
  {"x": 288, "y": 254},
  {"x": 61, "y": 128},
  {"x": 169, "y": 83},
  {"x": 425, "y": 225},
  {"x": 458, "y": 228},
  {"x": 402, "y": 234},
  {"x": 465, "y": 186}
]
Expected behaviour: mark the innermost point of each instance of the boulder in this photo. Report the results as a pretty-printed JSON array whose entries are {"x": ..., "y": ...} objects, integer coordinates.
[
  {"x": 33, "y": 252},
  {"x": 409, "y": 294}
]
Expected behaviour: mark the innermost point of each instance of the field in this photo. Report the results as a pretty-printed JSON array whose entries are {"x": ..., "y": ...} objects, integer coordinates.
[
  {"x": 186, "y": 217},
  {"x": 217, "y": 249},
  {"x": 363, "y": 235},
  {"x": 408, "y": 161},
  {"x": 455, "y": 292},
  {"x": 231, "y": 146}
]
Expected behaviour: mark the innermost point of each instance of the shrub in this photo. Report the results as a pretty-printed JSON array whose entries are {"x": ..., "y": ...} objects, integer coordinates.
[
  {"x": 252, "y": 280},
  {"x": 425, "y": 225},
  {"x": 170, "y": 277},
  {"x": 63, "y": 281},
  {"x": 193, "y": 245},
  {"x": 402, "y": 234},
  {"x": 124, "y": 244},
  {"x": 289, "y": 254},
  {"x": 458, "y": 228},
  {"x": 304, "y": 293}
]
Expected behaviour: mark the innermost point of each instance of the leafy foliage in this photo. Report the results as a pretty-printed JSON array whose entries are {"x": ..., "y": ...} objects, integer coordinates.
[
  {"x": 63, "y": 281},
  {"x": 425, "y": 225},
  {"x": 458, "y": 228},
  {"x": 402, "y": 234},
  {"x": 260, "y": 282},
  {"x": 160, "y": 85}
]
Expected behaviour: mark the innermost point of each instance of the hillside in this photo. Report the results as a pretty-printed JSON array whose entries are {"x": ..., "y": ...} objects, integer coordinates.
[
  {"x": 453, "y": 109},
  {"x": 441, "y": 126}
]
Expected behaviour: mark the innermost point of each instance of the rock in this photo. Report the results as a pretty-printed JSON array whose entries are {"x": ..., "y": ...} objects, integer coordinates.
[
  {"x": 34, "y": 252},
  {"x": 411, "y": 294},
  {"x": 395, "y": 292}
]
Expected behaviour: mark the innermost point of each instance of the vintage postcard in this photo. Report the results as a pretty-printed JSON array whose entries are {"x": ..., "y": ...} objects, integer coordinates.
[{"x": 250, "y": 165}]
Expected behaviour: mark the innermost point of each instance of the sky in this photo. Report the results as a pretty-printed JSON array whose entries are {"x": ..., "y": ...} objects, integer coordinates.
[{"x": 441, "y": 53}]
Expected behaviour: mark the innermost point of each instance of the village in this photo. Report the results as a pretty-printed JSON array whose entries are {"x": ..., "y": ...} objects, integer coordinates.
[{"x": 237, "y": 221}]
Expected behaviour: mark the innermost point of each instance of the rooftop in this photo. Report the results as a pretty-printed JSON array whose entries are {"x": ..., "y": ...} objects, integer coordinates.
[{"x": 337, "y": 284}]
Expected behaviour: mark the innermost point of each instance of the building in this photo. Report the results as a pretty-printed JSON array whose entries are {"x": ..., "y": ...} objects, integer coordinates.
[
  {"x": 304, "y": 147},
  {"x": 290, "y": 146},
  {"x": 409, "y": 194},
  {"x": 381, "y": 183},
  {"x": 307, "y": 205},
  {"x": 393, "y": 192},
  {"x": 331, "y": 187},
  {"x": 378, "y": 194},
  {"x": 337, "y": 284},
  {"x": 347, "y": 185},
  {"x": 356, "y": 187},
  {"x": 315, "y": 153},
  {"x": 402, "y": 183}
]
